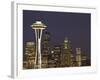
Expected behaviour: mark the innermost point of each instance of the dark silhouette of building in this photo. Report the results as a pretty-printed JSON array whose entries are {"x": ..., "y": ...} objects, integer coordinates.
[{"x": 45, "y": 49}]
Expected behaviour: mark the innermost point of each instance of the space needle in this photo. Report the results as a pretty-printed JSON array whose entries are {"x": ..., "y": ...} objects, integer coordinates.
[{"x": 38, "y": 26}]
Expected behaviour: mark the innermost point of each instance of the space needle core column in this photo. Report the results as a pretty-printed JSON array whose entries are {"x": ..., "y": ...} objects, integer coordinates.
[{"x": 38, "y": 26}]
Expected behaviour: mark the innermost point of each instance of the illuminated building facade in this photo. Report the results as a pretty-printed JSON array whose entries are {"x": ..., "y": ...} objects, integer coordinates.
[
  {"x": 84, "y": 60},
  {"x": 78, "y": 56},
  {"x": 66, "y": 55},
  {"x": 29, "y": 56},
  {"x": 56, "y": 55}
]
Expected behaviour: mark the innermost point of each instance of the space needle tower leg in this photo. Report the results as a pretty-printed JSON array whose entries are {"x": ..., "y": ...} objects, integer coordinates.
[
  {"x": 36, "y": 55},
  {"x": 39, "y": 48}
]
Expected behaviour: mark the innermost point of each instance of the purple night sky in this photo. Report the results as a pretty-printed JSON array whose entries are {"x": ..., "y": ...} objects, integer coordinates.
[{"x": 75, "y": 26}]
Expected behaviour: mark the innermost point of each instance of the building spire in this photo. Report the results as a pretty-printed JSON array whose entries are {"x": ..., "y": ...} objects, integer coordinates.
[
  {"x": 66, "y": 40},
  {"x": 66, "y": 43}
]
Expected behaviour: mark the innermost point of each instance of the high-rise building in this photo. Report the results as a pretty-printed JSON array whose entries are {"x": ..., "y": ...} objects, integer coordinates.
[
  {"x": 66, "y": 53},
  {"x": 84, "y": 60},
  {"x": 73, "y": 60},
  {"x": 29, "y": 56},
  {"x": 56, "y": 55},
  {"x": 51, "y": 61},
  {"x": 45, "y": 49},
  {"x": 78, "y": 57}
]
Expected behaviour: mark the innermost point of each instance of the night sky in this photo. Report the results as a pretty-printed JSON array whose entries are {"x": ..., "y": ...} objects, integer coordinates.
[{"x": 75, "y": 26}]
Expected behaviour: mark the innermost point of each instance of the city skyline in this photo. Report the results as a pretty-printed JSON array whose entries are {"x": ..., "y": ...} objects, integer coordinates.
[
  {"x": 53, "y": 56},
  {"x": 75, "y": 26}
]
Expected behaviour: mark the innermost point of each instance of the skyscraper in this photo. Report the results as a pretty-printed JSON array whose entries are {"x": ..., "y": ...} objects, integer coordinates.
[
  {"x": 45, "y": 49},
  {"x": 57, "y": 55},
  {"x": 66, "y": 53},
  {"x": 78, "y": 56},
  {"x": 29, "y": 56}
]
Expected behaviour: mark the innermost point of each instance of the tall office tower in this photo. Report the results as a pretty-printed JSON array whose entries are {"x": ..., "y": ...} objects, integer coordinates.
[
  {"x": 78, "y": 56},
  {"x": 66, "y": 54},
  {"x": 84, "y": 60},
  {"x": 29, "y": 56},
  {"x": 73, "y": 60},
  {"x": 45, "y": 49},
  {"x": 38, "y": 26},
  {"x": 51, "y": 61},
  {"x": 56, "y": 56}
]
